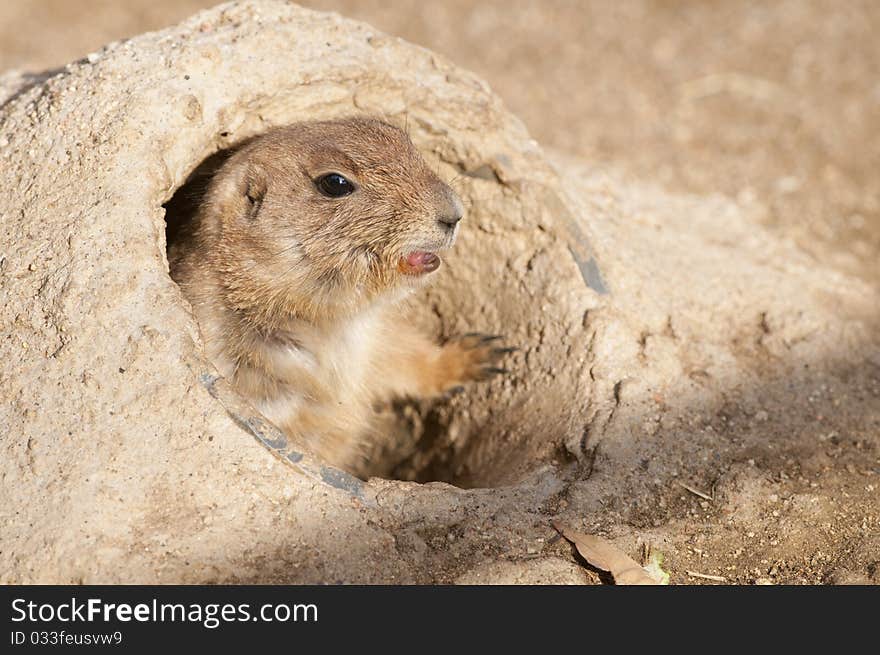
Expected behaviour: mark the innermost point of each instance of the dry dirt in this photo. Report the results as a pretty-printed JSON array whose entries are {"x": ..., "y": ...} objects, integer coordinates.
[{"x": 744, "y": 140}]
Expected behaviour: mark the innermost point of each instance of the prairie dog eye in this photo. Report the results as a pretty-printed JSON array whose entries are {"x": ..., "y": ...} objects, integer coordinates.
[{"x": 334, "y": 185}]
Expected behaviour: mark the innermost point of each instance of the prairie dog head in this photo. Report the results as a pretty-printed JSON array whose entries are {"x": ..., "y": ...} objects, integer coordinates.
[{"x": 323, "y": 217}]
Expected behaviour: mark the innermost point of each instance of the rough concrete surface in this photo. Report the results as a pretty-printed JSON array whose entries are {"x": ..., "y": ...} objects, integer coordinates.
[{"x": 666, "y": 339}]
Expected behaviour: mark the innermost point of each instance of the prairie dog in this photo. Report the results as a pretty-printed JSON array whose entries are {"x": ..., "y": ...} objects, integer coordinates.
[{"x": 305, "y": 243}]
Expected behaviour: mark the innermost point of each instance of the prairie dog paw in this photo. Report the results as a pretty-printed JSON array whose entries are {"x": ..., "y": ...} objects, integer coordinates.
[{"x": 473, "y": 356}]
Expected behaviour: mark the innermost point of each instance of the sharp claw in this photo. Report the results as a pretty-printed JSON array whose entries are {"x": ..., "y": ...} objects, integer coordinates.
[
  {"x": 495, "y": 371},
  {"x": 449, "y": 394},
  {"x": 504, "y": 351},
  {"x": 490, "y": 337}
]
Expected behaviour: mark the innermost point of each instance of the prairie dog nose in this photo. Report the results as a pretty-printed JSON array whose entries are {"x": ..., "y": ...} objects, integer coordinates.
[{"x": 452, "y": 212}]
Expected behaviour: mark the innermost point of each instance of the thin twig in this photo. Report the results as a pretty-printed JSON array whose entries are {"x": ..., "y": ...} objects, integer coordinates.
[
  {"x": 706, "y": 576},
  {"x": 696, "y": 492}
]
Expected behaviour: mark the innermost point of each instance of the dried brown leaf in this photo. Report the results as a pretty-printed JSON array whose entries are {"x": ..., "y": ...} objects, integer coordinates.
[{"x": 606, "y": 556}]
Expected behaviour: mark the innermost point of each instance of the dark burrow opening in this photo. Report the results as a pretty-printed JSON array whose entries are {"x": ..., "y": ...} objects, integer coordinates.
[{"x": 181, "y": 208}]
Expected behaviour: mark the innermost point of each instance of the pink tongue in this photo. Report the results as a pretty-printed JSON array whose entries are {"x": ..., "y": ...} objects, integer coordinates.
[{"x": 419, "y": 262}]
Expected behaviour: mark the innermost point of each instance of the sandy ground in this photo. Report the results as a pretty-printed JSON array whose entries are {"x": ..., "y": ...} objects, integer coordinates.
[{"x": 775, "y": 106}]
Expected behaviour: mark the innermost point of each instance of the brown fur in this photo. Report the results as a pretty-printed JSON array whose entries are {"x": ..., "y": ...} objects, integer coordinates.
[{"x": 297, "y": 294}]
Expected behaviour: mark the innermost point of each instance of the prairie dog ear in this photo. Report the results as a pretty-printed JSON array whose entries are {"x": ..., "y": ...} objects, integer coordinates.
[
  {"x": 254, "y": 189},
  {"x": 238, "y": 191}
]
